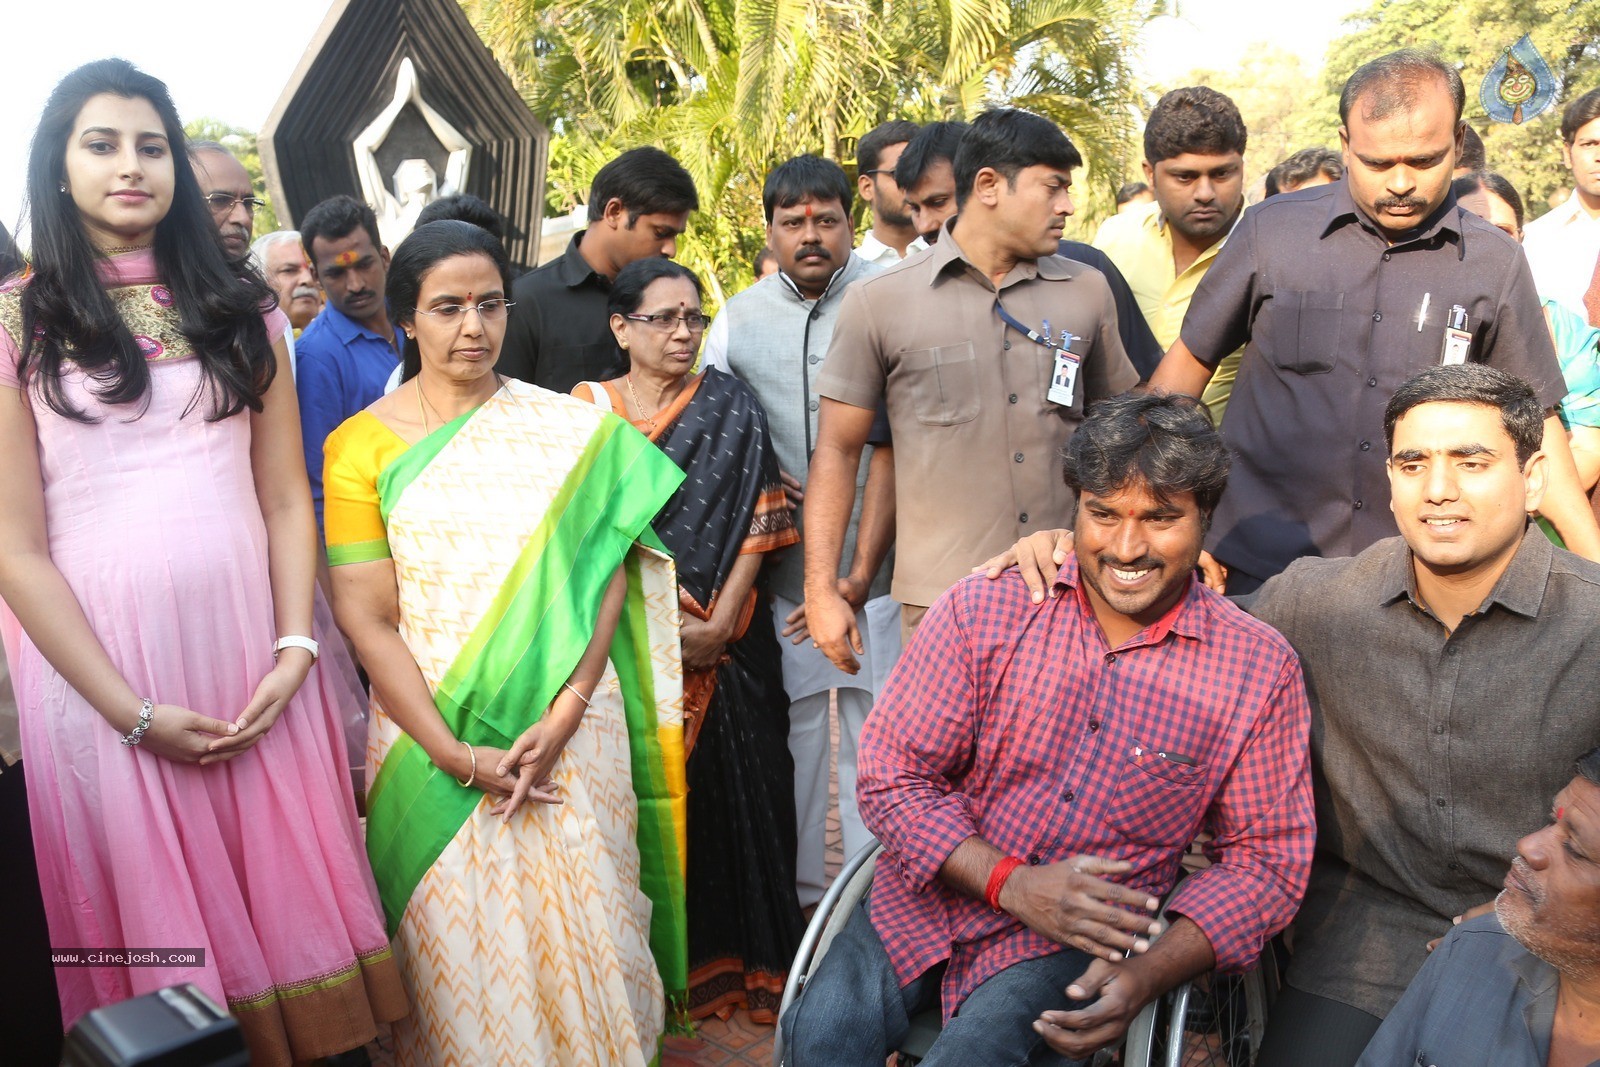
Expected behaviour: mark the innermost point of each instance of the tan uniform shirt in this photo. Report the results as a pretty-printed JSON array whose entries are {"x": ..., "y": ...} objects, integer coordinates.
[{"x": 976, "y": 441}]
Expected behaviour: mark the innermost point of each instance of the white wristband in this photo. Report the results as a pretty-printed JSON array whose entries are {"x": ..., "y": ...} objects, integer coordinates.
[{"x": 293, "y": 641}]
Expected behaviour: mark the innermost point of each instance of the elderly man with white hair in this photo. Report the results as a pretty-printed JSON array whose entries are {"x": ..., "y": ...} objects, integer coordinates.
[{"x": 282, "y": 261}]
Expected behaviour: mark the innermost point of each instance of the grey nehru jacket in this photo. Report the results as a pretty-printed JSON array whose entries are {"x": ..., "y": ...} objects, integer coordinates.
[
  {"x": 1326, "y": 311},
  {"x": 1432, "y": 752},
  {"x": 776, "y": 341}
]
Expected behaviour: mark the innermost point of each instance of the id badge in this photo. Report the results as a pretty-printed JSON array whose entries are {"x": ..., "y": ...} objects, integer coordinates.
[
  {"x": 1065, "y": 379},
  {"x": 1457, "y": 338}
]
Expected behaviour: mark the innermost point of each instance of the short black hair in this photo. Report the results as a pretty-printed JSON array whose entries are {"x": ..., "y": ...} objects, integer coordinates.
[
  {"x": 1301, "y": 167},
  {"x": 870, "y": 148},
  {"x": 1579, "y": 114},
  {"x": 1193, "y": 119},
  {"x": 1588, "y": 766},
  {"x": 1489, "y": 181},
  {"x": 647, "y": 181},
  {"x": 336, "y": 217},
  {"x": 1521, "y": 414},
  {"x": 763, "y": 257},
  {"x": 934, "y": 142},
  {"x": 464, "y": 207},
  {"x": 1164, "y": 440},
  {"x": 1473, "y": 156},
  {"x": 1009, "y": 140},
  {"x": 1128, "y": 190},
  {"x": 805, "y": 177},
  {"x": 1393, "y": 81}
]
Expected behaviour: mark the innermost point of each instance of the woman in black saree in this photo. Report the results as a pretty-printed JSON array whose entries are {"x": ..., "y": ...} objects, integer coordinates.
[{"x": 744, "y": 919}]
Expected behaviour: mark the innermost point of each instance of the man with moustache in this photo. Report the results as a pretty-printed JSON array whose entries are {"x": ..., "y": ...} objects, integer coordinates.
[
  {"x": 346, "y": 354},
  {"x": 1194, "y": 146},
  {"x": 1037, "y": 774},
  {"x": 1517, "y": 988},
  {"x": 283, "y": 263},
  {"x": 226, "y": 187},
  {"x": 987, "y": 348},
  {"x": 773, "y": 336},
  {"x": 925, "y": 168},
  {"x": 892, "y": 237},
  {"x": 1338, "y": 294}
]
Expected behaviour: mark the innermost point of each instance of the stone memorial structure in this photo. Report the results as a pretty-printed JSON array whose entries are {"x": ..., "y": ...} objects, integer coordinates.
[{"x": 398, "y": 102}]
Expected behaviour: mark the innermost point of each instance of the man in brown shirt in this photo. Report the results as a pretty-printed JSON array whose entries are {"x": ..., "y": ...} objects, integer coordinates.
[{"x": 988, "y": 347}]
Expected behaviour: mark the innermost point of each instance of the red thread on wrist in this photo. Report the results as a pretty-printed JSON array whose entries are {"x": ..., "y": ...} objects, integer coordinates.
[{"x": 997, "y": 880}]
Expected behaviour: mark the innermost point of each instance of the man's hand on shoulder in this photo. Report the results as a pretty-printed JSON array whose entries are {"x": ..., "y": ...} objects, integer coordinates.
[
  {"x": 1040, "y": 556},
  {"x": 1070, "y": 905}
]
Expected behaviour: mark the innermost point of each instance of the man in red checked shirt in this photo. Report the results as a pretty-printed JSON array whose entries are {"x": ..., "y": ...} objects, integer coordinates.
[{"x": 1037, "y": 772}]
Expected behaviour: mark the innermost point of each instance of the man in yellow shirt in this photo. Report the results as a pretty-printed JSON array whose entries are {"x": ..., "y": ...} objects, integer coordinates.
[{"x": 1194, "y": 161}]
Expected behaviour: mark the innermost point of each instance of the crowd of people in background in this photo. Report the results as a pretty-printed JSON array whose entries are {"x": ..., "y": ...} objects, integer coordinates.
[{"x": 455, "y": 656}]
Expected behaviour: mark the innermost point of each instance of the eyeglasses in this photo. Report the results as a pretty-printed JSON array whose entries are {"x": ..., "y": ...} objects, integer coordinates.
[
  {"x": 221, "y": 203},
  {"x": 488, "y": 311},
  {"x": 666, "y": 323}
]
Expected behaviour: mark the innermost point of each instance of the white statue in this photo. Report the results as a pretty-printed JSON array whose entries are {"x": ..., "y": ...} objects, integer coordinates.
[{"x": 415, "y": 183}]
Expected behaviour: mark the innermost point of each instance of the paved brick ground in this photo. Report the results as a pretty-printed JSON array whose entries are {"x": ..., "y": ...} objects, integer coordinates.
[{"x": 739, "y": 1041}]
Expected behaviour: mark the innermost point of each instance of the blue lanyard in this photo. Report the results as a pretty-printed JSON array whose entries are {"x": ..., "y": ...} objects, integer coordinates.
[{"x": 1033, "y": 335}]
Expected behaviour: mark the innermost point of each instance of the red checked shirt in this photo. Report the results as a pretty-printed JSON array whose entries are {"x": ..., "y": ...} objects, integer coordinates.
[{"x": 1019, "y": 724}]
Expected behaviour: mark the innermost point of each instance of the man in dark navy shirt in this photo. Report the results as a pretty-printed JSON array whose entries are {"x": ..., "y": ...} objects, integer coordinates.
[{"x": 1339, "y": 294}]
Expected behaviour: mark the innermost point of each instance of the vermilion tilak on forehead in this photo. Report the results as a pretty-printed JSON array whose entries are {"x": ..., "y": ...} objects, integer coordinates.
[
  {"x": 346, "y": 259},
  {"x": 808, "y": 210}
]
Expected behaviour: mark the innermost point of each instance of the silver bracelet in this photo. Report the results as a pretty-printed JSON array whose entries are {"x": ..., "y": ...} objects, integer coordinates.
[
  {"x": 147, "y": 709},
  {"x": 580, "y": 696},
  {"x": 473, "y": 777}
]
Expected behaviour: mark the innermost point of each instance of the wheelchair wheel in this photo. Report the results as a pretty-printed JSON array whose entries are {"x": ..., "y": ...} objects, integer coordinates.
[{"x": 1217, "y": 1020}]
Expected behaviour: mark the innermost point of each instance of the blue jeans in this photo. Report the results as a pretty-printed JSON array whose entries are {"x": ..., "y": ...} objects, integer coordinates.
[{"x": 855, "y": 1012}]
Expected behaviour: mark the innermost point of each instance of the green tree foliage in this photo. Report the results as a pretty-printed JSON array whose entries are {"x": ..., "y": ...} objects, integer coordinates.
[
  {"x": 242, "y": 143},
  {"x": 732, "y": 87},
  {"x": 1473, "y": 34}
]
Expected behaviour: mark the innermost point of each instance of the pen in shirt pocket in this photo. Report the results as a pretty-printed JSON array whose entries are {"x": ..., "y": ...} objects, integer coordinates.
[{"x": 1170, "y": 757}]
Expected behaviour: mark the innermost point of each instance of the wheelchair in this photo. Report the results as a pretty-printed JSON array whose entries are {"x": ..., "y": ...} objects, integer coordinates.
[{"x": 1215, "y": 1020}]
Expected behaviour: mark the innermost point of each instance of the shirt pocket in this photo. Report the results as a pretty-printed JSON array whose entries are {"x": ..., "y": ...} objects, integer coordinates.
[
  {"x": 1158, "y": 800},
  {"x": 1305, "y": 331},
  {"x": 942, "y": 383}
]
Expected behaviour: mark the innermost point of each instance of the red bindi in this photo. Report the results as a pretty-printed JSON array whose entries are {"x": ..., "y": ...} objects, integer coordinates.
[
  {"x": 808, "y": 211},
  {"x": 1560, "y": 812}
]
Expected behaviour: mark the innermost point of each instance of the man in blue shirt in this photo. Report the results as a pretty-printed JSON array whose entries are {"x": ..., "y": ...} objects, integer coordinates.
[
  {"x": 1517, "y": 989},
  {"x": 346, "y": 354}
]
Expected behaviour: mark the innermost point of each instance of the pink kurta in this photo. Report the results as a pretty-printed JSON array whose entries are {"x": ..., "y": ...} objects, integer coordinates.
[{"x": 153, "y": 520}]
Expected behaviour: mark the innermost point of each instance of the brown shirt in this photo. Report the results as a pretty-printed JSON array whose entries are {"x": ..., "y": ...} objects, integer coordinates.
[
  {"x": 977, "y": 442},
  {"x": 1432, "y": 752}
]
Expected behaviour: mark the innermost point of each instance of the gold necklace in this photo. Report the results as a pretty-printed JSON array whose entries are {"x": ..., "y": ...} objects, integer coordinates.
[
  {"x": 421, "y": 412},
  {"x": 422, "y": 399},
  {"x": 649, "y": 419}
]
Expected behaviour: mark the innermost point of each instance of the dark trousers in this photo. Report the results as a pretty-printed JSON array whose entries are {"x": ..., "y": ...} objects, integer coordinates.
[
  {"x": 855, "y": 1012},
  {"x": 30, "y": 1014},
  {"x": 1311, "y": 1031}
]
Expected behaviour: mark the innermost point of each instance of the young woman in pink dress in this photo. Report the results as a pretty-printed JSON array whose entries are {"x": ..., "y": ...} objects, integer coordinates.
[{"x": 186, "y": 779}]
